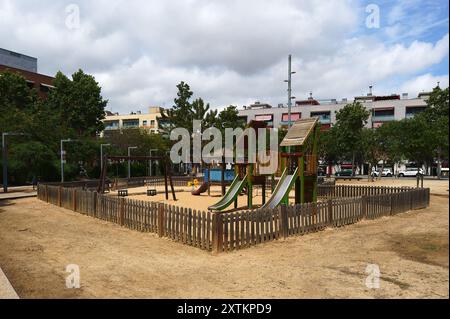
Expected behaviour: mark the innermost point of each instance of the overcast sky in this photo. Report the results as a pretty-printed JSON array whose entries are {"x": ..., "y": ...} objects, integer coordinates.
[{"x": 234, "y": 52}]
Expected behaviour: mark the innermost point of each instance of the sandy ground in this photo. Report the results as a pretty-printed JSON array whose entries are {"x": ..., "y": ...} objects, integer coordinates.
[
  {"x": 39, "y": 240},
  {"x": 185, "y": 199}
]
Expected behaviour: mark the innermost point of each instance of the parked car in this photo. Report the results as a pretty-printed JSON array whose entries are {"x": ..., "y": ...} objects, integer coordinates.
[
  {"x": 385, "y": 173},
  {"x": 410, "y": 172},
  {"x": 344, "y": 172},
  {"x": 322, "y": 171}
]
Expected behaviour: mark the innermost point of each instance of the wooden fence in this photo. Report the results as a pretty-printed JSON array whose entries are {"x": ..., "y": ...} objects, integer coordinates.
[
  {"x": 222, "y": 232},
  {"x": 336, "y": 191}
]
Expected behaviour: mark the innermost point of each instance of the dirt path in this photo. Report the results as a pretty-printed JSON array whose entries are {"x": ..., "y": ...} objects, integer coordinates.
[{"x": 38, "y": 241}]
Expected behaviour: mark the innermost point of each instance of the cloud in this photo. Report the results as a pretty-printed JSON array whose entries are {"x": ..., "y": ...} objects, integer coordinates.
[
  {"x": 424, "y": 83},
  {"x": 230, "y": 52}
]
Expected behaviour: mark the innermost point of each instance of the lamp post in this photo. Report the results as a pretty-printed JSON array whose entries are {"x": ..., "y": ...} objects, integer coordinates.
[
  {"x": 5, "y": 158},
  {"x": 101, "y": 154},
  {"x": 63, "y": 153},
  {"x": 151, "y": 162},
  {"x": 129, "y": 161}
]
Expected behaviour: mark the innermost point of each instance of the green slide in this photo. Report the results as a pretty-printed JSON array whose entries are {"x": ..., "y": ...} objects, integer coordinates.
[
  {"x": 232, "y": 194},
  {"x": 282, "y": 190}
]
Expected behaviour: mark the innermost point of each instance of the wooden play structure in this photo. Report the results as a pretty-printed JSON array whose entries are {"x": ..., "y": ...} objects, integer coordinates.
[
  {"x": 299, "y": 162},
  {"x": 298, "y": 167},
  {"x": 215, "y": 177},
  {"x": 247, "y": 175}
]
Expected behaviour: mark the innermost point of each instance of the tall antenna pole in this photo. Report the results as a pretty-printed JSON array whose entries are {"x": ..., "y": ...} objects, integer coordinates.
[{"x": 289, "y": 91}]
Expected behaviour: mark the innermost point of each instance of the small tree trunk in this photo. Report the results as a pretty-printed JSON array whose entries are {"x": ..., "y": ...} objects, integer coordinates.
[{"x": 353, "y": 164}]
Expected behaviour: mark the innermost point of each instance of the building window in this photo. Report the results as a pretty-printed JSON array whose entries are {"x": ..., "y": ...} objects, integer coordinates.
[
  {"x": 152, "y": 122},
  {"x": 294, "y": 117},
  {"x": 30, "y": 84},
  {"x": 382, "y": 115},
  {"x": 44, "y": 88},
  {"x": 130, "y": 123},
  {"x": 324, "y": 116},
  {"x": 266, "y": 118},
  {"x": 111, "y": 125},
  {"x": 411, "y": 111},
  {"x": 144, "y": 123}
]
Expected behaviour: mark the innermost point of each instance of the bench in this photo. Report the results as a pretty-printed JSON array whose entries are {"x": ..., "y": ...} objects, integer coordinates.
[
  {"x": 152, "y": 192},
  {"x": 123, "y": 192}
]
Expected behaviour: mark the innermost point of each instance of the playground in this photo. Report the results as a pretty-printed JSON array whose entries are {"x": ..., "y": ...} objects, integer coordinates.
[
  {"x": 39, "y": 240},
  {"x": 244, "y": 187},
  {"x": 124, "y": 237}
]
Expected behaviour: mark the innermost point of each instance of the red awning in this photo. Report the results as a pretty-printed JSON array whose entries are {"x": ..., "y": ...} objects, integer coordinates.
[
  {"x": 263, "y": 118},
  {"x": 294, "y": 117}
]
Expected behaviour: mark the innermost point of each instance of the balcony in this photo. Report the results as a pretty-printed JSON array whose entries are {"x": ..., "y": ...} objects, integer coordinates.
[
  {"x": 111, "y": 127},
  {"x": 130, "y": 124},
  {"x": 383, "y": 118}
]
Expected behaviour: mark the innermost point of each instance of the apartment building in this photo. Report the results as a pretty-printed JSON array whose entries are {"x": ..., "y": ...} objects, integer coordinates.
[
  {"x": 382, "y": 109},
  {"x": 26, "y": 66},
  {"x": 135, "y": 120}
]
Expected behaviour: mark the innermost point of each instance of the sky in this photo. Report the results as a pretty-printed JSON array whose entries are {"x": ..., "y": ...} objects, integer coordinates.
[{"x": 234, "y": 52}]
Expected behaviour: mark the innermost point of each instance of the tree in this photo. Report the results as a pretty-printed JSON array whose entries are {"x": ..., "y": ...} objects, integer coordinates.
[
  {"x": 437, "y": 118},
  {"x": 74, "y": 109},
  {"x": 328, "y": 149},
  {"x": 391, "y": 137},
  {"x": 144, "y": 142},
  {"x": 350, "y": 122},
  {"x": 79, "y": 103},
  {"x": 17, "y": 102}
]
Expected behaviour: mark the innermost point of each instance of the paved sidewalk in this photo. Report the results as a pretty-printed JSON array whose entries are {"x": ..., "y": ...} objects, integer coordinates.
[
  {"x": 6, "y": 290},
  {"x": 10, "y": 196}
]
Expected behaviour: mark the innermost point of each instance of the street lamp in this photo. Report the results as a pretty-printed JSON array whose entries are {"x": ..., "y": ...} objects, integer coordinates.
[
  {"x": 151, "y": 161},
  {"x": 101, "y": 154},
  {"x": 5, "y": 158},
  {"x": 129, "y": 161},
  {"x": 62, "y": 156}
]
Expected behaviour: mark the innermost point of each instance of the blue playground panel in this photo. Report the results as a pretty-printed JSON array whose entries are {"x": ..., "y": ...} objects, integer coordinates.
[{"x": 216, "y": 175}]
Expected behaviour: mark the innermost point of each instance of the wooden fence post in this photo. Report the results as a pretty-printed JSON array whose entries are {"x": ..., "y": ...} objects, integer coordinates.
[
  {"x": 74, "y": 199},
  {"x": 161, "y": 220},
  {"x": 391, "y": 204},
  {"x": 364, "y": 206},
  {"x": 46, "y": 193},
  {"x": 122, "y": 211},
  {"x": 60, "y": 196},
  {"x": 330, "y": 212},
  {"x": 410, "y": 200},
  {"x": 283, "y": 220},
  {"x": 217, "y": 233},
  {"x": 95, "y": 205}
]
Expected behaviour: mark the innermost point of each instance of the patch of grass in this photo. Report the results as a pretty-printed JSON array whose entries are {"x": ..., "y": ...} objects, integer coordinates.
[{"x": 428, "y": 248}]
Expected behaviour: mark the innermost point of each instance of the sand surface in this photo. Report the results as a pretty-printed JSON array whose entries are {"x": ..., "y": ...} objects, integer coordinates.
[{"x": 39, "y": 240}]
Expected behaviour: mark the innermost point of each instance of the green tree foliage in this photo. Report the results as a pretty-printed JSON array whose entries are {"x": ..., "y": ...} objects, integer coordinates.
[
  {"x": 436, "y": 116},
  {"x": 79, "y": 103},
  {"x": 74, "y": 109},
  {"x": 350, "y": 122},
  {"x": 120, "y": 141},
  {"x": 328, "y": 149}
]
